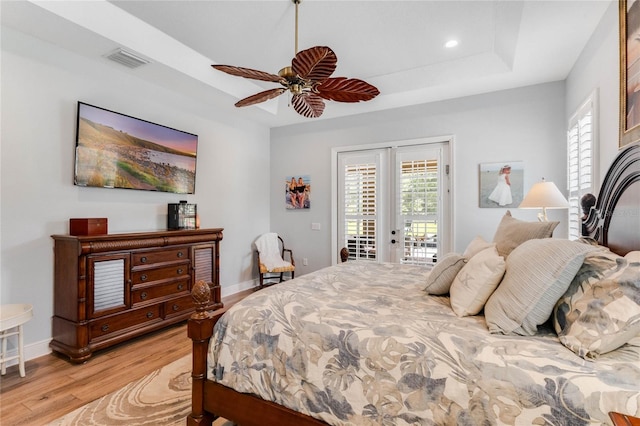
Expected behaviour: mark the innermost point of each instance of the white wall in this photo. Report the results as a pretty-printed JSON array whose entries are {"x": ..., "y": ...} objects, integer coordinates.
[
  {"x": 526, "y": 124},
  {"x": 598, "y": 68},
  {"x": 41, "y": 85}
]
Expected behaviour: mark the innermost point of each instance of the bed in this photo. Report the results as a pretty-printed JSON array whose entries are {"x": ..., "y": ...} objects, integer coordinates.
[{"x": 365, "y": 344}]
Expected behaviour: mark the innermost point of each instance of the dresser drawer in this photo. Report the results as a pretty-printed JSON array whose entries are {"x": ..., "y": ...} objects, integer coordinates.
[
  {"x": 159, "y": 256},
  {"x": 178, "y": 306},
  {"x": 145, "y": 276},
  {"x": 144, "y": 294},
  {"x": 115, "y": 323}
]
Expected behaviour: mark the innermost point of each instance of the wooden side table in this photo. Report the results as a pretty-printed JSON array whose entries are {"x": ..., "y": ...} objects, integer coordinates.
[
  {"x": 12, "y": 317},
  {"x": 620, "y": 419}
]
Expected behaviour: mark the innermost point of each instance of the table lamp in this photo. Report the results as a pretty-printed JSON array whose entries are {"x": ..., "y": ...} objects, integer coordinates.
[{"x": 545, "y": 195}]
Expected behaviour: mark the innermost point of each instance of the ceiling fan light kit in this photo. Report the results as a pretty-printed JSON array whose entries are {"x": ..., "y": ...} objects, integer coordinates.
[{"x": 307, "y": 79}]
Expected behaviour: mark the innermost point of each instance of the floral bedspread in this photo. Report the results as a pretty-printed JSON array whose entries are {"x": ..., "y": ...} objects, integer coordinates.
[{"x": 363, "y": 344}]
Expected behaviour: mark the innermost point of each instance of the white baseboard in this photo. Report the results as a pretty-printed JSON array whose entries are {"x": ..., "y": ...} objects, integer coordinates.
[
  {"x": 237, "y": 288},
  {"x": 31, "y": 351},
  {"x": 38, "y": 349}
]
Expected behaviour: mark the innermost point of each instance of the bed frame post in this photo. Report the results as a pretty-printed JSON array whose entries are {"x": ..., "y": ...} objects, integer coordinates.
[{"x": 200, "y": 330}]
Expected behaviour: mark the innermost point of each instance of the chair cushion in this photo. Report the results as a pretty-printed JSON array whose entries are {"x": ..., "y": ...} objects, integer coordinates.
[{"x": 265, "y": 270}]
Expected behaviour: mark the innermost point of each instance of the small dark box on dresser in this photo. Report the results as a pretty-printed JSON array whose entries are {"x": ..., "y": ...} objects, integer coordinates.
[
  {"x": 182, "y": 216},
  {"x": 88, "y": 226}
]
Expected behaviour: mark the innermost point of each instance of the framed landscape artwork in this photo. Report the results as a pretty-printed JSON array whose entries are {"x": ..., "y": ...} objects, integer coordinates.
[
  {"x": 501, "y": 184},
  {"x": 629, "y": 71}
]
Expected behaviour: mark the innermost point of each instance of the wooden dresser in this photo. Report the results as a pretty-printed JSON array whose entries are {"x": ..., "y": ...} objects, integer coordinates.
[{"x": 111, "y": 288}]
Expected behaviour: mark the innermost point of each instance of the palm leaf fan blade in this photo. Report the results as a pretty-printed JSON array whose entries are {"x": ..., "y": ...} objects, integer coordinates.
[
  {"x": 248, "y": 73},
  {"x": 260, "y": 97},
  {"x": 308, "y": 105},
  {"x": 342, "y": 89},
  {"x": 316, "y": 63}
]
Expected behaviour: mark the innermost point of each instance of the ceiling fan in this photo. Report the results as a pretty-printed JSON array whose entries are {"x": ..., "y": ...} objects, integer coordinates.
[{"x": 308, "y": 79}]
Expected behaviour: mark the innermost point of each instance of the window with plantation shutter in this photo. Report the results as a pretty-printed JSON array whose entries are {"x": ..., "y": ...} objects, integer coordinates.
[
  {"x": 581, "y": 147},
  {"x": 418, "y": 212},
  {"x": 360, "y": 209}
]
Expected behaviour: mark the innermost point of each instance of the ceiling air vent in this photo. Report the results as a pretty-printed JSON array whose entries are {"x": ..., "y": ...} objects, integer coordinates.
[{"x": 128, "y": 59}]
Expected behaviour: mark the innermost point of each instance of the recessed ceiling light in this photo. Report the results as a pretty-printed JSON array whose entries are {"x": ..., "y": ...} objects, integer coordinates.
[{"x": 451, "y": 43}]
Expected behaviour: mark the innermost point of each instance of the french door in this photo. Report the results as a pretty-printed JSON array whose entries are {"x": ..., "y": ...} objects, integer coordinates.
[{"x": 393, "y": 203}]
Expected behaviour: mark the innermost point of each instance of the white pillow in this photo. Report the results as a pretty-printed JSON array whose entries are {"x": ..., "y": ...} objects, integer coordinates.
[
  {"x": 476, "y": 246},
  {"x": 476, "y": 281}
]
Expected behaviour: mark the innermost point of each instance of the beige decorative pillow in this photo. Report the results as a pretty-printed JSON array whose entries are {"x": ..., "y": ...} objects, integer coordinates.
[
  {"x": 442, "y": 275},
  {"x": 512, "y": 232},
  {"x": 600, "y": 310},
  {"x": 539, "y": 271},
  {"x": 633, "y": 256},
  {"x": 476, "y": 246},
  {"x": 476, "y": 281}
]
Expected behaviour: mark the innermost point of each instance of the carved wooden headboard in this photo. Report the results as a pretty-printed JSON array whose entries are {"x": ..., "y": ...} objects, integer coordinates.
[{"x": 614, "y": 221}]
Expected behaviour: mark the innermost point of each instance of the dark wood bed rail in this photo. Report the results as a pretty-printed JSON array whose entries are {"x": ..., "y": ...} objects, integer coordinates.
[{"x": 200, "y": 330}]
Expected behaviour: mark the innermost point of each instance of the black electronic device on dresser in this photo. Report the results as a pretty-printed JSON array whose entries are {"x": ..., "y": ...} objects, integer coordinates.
[
  {"x": 182, "y": 216},
  {"x": 112, "y": 287}
]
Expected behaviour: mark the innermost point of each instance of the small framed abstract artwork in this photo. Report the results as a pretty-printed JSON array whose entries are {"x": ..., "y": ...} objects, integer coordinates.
[
  {"x": 501, "y": 184},
  {"x": 298, "y": 192}
]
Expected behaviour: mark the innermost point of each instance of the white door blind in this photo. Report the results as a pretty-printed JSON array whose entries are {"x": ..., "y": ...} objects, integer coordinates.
[
  {"x": 419, "y": 193},
  {"x": 361, "y": 209},
  {"x": 580, "y": 156},
  {"x": 108, "y": 279}
]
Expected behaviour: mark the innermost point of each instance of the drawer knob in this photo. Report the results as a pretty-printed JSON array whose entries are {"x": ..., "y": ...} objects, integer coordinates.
[
  {"x": 105, "y": 328},
  {"x": 179, "y": 271},
  {"x": 149, "y": 314},
  {"x": 143, "y": 277},
  {"x": 143, "y": 259},
  {"x": 180, "y": 254},
  {"x": 143, "y": 295},
  {"x": 180, "y": 286},
  {"x": 175, "y": 307}
]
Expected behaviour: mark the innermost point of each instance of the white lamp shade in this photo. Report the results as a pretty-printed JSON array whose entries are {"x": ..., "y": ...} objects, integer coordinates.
[{"x": 544, "y": 195}]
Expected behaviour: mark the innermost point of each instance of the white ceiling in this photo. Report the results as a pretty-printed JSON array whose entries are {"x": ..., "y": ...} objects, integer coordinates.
[{"x": 398, "y": 46}]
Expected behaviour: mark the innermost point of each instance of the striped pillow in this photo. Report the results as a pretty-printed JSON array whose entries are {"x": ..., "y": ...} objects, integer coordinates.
[
  {"x": 441, "y": 276},
  {"x": 539, "y": 272}
]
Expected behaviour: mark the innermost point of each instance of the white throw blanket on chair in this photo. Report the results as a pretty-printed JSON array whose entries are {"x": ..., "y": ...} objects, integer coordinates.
[{"x": 269, "y": 249}]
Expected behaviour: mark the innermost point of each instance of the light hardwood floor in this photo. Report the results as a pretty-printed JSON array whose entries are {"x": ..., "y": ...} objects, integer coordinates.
[{"x": 53, "y": 386}]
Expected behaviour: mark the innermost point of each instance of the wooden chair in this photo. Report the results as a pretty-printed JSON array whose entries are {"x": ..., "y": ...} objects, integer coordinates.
[{"x": 270, "y": 251}]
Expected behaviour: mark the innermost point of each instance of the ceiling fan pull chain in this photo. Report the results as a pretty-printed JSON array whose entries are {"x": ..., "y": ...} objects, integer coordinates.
[{"x": 296, "y": 2}]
